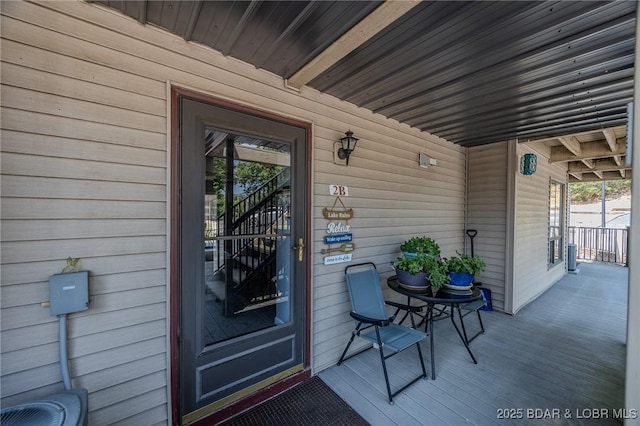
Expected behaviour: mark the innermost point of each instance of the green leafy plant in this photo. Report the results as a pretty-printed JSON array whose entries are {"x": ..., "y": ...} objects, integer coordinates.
[
  {"x": 464, "y": 263},
  {"x": 72, "y": 265},
  {"x": 434, "y": 267},
  {"x": 421, "y": 245},
  {"x": 412, "y": 265}
]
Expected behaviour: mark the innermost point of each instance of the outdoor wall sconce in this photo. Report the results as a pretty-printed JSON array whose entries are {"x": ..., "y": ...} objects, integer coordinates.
[
  {"x": 347, "y": 146},
  {"x": 528, "y": 164}
]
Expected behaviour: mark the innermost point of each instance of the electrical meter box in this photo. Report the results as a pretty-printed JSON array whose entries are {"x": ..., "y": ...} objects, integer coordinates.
[{"x": 69, "y": 293}]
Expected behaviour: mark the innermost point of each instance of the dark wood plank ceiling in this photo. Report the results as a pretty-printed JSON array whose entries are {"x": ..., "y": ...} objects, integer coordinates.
[
  {"x": 472, "y": 72},
  {"x": 477, "y": 72}
]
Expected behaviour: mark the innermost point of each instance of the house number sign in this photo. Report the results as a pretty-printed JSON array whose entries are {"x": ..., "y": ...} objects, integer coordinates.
[{"x": 338, "y": 236}]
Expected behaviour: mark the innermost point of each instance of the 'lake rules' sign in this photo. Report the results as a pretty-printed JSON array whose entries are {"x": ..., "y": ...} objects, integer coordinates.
[{"x": 338, "y": 236}]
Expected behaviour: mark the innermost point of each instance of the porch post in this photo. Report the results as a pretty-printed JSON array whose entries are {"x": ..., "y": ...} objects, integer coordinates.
[{"x": 632, "y": 383}]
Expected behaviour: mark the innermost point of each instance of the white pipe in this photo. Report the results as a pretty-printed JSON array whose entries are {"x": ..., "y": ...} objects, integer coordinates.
[{"x": 64, "y": 362}]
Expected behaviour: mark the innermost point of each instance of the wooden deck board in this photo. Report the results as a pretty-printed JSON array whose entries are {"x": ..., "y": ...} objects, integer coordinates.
[{"x": 564, "y": 351}]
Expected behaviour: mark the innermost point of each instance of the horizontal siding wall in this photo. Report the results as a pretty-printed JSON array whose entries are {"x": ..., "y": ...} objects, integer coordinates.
[
  {"x": 84, "y": 171},
  {"x": 487, "y": 213},
  {"x": 393, "y": 199},
  {"x": 532, "y": 273}
]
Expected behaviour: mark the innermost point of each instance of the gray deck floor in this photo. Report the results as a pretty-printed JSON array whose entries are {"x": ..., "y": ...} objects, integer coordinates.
[{"x": 565, "y": 352}]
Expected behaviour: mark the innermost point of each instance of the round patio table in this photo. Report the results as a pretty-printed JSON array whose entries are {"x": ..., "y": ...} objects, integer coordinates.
[{"x": 444, "y": 296}]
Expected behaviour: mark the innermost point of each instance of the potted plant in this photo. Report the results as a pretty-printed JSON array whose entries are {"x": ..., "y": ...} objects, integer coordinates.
[
  {"x": 421, "y": 271},
  {"x": 420, "y": 245},
  {"x": 463, "y": 268}
]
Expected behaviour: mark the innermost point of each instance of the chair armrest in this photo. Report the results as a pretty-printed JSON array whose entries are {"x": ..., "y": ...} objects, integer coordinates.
[
  {"x": 375, "y": 321},
  {"x": 404, "y": 306}
]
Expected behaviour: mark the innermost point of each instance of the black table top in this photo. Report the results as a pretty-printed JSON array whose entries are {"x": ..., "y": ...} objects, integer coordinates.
[{"x": 443, "y": 296}]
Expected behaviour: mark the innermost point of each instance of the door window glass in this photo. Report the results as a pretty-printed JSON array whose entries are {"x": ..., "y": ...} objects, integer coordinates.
[{"x": 246, "y": 234}]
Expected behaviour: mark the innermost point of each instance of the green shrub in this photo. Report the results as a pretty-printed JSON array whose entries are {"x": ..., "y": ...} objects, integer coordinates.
[
  {"x": 433, "y": 266},
  {"x": 421, "y": 245},
  {"x": 465, "y": 264}
]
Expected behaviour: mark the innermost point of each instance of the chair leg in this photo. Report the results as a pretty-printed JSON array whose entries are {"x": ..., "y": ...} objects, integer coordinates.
[
  {"x": 383, "y": 359},
  {"x": 353, "y": 336},
  {"x": 384, "y": 366},
  {"x": 424, "y": 370},
  {"x": 464, "y": 340},
  {"x": 464, "y": 330},
  {"x": 480, "y": 320},
  {"x": 428, "y": 328}
]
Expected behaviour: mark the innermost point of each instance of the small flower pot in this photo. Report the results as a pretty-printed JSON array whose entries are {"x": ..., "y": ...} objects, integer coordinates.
[
  {"x": 460, "y": 279},
  {"x": 417, "y": 281}
]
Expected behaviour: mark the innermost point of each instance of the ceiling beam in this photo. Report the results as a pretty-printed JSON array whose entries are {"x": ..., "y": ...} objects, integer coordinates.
[
  {"x": 372, "y": 24},
  {"x": 618, "y": 159},
  {"x": 603, "y": 164},
  {"x": 593, "y": 149},
  {"x": 590, "y": 134},
  {"x": 576, "y": 176},
  {"x": 590, "y": 177},
  {"x": 610, "y": 136},
  {"x": 588, "y": 163},
  {"x": 572, "y": 144}
]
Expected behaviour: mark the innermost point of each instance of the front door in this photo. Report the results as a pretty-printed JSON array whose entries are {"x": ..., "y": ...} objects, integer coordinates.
[{"x": 242, "y": 186}]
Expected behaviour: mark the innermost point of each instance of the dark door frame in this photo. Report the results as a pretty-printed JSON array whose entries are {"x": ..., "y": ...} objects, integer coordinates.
[{"x": 174, "y": 259}]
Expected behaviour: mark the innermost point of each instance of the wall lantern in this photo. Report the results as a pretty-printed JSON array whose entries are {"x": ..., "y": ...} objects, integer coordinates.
[
  {"x": 528, "y": 163},
  {"x": 348, "y": 145}
]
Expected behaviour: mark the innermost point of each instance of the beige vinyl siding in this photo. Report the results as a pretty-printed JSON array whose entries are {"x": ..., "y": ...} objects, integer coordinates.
[
  {"x": 487, "y": 213},
  {"x": 84, "y": 172},
  {"x": 532, "y": 273},
  {"x": 390, "y": 206}
]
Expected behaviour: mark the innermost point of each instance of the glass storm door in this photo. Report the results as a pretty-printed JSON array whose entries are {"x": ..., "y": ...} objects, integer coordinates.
[{"x": 242, "y": 268}]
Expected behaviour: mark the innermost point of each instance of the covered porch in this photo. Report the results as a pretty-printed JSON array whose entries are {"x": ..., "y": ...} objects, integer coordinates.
[
  {"x": 90, "y": 144},
  {"x": 563, "y": 354}
]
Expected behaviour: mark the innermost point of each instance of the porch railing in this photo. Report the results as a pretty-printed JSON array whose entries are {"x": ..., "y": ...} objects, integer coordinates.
[{"x": 601, "y": 244}]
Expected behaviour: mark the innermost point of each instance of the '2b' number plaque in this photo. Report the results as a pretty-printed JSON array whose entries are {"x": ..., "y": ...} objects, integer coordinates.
[{"x": 338, "y": 190}]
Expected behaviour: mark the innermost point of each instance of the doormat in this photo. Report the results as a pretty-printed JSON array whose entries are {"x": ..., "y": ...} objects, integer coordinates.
[{"x": 310, "y": 403}]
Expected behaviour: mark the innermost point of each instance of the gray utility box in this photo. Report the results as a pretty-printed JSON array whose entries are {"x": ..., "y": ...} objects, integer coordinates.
[
  {"x": 572, "y": 251},
  {"x": 69, "y": 293}
]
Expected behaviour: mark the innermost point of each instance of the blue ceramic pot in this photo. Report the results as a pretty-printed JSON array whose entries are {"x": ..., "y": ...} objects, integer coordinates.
[{"x": 461, "y": 279}]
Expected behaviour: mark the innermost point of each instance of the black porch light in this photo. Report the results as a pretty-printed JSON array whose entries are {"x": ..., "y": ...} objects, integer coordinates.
[{"x": 348, "y": 145}]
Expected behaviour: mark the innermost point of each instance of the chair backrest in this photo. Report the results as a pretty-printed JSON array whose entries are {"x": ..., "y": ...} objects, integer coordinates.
[{"x": 363, "y": 283}]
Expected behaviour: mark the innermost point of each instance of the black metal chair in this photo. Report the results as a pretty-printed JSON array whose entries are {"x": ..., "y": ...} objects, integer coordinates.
[
  {"x": 374, "y": 324},
  {"x": 470, "y": 308}
]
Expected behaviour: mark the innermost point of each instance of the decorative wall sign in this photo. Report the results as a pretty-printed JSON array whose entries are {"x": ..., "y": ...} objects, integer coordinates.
[
  {"x": 338, "y": 228},
  {"x": 340, "y": 258},
  {"x": 345, "y": 248},
  {"x": 339, "y": 190},
  {"x": 335, "y": 239},
  {"x": 339, "y": 215},
  {"x": 528, "y": 163}
]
